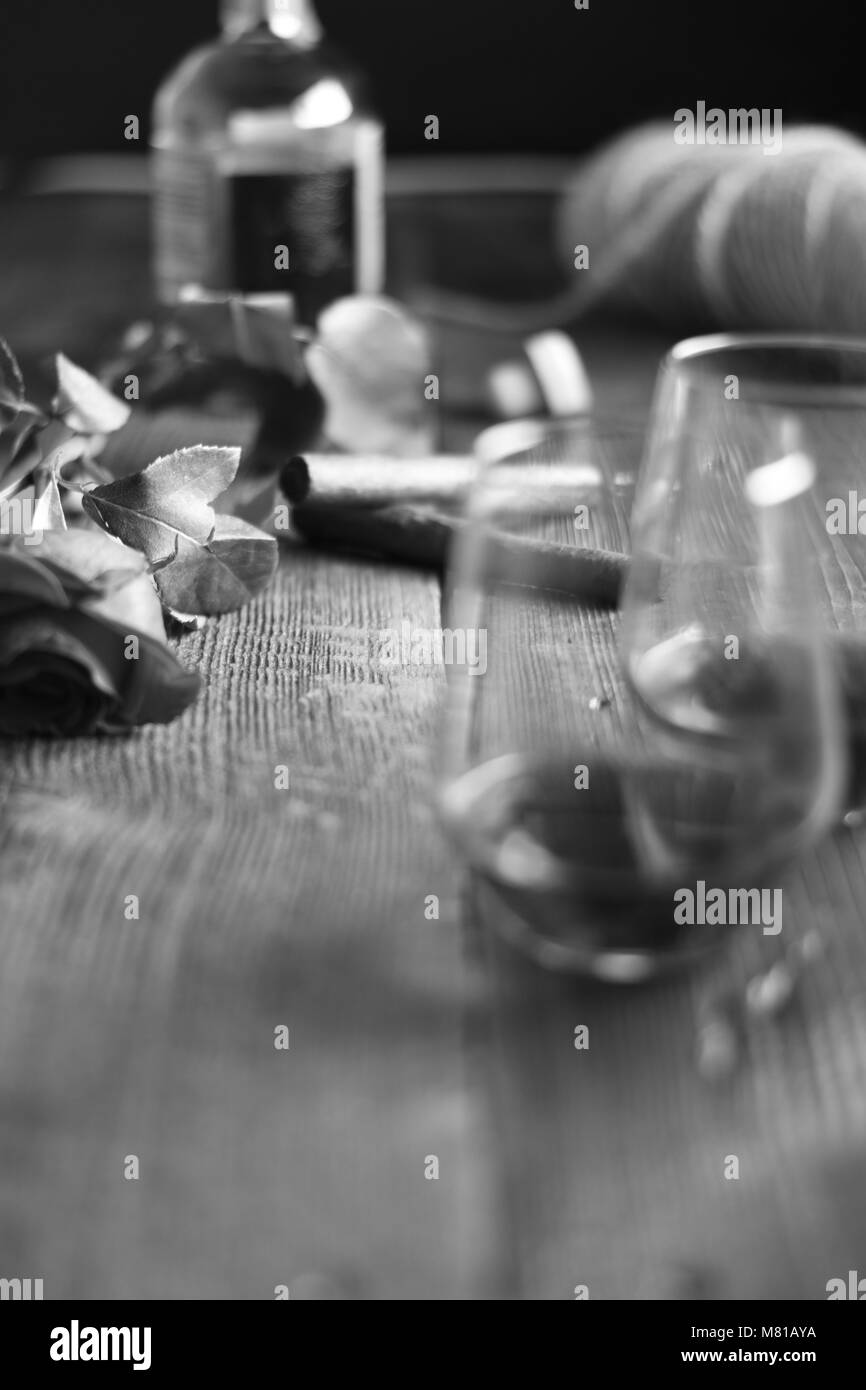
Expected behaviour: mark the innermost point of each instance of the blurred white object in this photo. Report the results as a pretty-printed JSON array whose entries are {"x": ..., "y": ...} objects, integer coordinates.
[
  {"x": 560, "y": 372},
  {"x": 370, "y": 360},
  {"x": 551, "y": 379},
  {"x": 513, "y": 390},
  {"x": 510, "y": 437}
]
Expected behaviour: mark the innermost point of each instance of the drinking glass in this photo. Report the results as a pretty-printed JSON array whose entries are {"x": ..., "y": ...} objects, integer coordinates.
[
  {"x": 746, "y": 527},
  {"x": 582, "y": 797}
]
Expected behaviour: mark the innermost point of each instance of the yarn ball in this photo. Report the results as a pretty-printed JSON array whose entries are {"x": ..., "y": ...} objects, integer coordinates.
[{"x": 721, "y": 236}]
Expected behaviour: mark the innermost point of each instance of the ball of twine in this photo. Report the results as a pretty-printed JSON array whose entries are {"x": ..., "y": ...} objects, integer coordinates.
[
  {"x": 707, "y": 236},
  {"x": 724, "y": 236}
]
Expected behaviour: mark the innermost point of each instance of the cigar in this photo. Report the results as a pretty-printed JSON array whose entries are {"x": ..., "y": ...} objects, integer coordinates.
[
  {"x": 341, "y": 480},
  {"x": 424, "y": 538}
]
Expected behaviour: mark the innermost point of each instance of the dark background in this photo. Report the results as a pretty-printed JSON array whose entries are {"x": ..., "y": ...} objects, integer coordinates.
[{"x": 500, "y": 74}]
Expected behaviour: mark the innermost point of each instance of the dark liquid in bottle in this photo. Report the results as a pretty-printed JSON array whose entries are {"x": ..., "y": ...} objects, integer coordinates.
[{"x": 312, "y": 216}]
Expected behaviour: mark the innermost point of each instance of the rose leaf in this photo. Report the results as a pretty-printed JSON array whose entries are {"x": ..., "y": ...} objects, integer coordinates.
[
  {"x": 236, "y": 564},
  {"x": 202, "y": 562},
  {"x": 11, "y": 381},
  {"x": 48, "y": 512},
  {"x": 84, "y": 403}
]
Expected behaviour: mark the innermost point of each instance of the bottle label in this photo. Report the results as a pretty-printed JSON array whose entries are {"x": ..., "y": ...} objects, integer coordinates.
[
  {"x": 294, "y": 232},
  {"x": 300, "y": 214},
  {"x": 183, "y": 219}
]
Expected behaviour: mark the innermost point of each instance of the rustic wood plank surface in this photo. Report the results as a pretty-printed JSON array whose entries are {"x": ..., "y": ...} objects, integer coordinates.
[
  {"x": 258, "y": 907},
  {"x": 409, "y": 1037}
]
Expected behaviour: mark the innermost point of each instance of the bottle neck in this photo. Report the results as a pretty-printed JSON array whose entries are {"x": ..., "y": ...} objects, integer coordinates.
[{"x": 294, "y": 20}]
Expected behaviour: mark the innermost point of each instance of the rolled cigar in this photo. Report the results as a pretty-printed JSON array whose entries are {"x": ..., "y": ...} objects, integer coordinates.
[
  {"x": 416, "y": 536},
  {"x": 410, "y": 535},
  {"x": 342, "y": 480}
]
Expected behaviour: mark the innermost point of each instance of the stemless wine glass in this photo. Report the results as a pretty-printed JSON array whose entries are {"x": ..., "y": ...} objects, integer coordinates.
[
  {"x": 747, "y": 524},
  {"x": 585, "y": 822}
]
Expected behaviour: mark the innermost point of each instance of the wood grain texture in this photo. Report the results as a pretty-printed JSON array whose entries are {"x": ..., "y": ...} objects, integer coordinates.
[{"x": 258, "y": 907}]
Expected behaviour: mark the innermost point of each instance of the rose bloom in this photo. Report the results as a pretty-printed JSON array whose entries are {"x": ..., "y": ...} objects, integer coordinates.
[{"x": 70, "y": 607}]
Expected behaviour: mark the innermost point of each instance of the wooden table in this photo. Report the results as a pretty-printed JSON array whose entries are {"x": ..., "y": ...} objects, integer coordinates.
[{"x": 409, "y": 1038}]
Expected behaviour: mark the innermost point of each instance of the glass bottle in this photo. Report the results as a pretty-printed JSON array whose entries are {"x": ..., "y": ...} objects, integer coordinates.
[{"x": 268, "y": 167}]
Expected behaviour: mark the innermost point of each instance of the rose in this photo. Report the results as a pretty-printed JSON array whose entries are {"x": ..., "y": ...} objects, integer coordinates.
[{"x": 82, "y": 641}]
